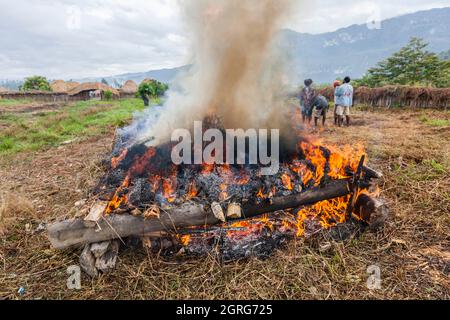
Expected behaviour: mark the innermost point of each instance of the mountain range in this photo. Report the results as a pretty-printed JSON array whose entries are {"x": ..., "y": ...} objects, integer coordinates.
[
  {"x": 327, "y": 56},
  {"x": 347, "y": 51},
  {"x": 353, "y": 50}
]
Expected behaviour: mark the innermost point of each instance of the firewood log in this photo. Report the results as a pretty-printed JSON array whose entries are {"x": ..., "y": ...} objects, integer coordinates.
[
  {"x": 374, "y": 212},
  {"x": 76, "y": 232}
]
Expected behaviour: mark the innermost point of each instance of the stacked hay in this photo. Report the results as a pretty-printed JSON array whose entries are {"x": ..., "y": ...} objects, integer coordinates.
[{"x": 398, "y": 96}]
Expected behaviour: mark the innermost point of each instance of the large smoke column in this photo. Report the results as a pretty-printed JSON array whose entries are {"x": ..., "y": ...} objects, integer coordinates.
[{"x": 236, "y": 73}]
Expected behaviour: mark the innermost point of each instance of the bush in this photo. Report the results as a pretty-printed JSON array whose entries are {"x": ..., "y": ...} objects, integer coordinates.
[
  {"x": 108, "y": 95},
  {"x": 151, "y": 89},
  {"x": 36, "y": 83}
]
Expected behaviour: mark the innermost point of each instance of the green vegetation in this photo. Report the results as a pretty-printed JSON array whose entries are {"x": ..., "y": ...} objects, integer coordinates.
[
  {"x": 435, "y": 122},
  {"x": 36, "y": 83},
  {"x": 151, "y": 89},
  {"x": 26, "y": 132},
  {"x": 14, "y": 102},
  {"x": 108, "y": 95},
  {"x": 437, "y": 167},
  {"x": 412, "y": 65}
]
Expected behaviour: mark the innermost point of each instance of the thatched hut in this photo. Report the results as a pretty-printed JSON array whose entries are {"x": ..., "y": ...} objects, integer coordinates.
[
  {"x": 147, "y": 80},
  {"x": 61, "y": 86},
  {"x": 91, "y": 90},
  {"x": 129, "y": 87},
  {"x": 3, "y": 89}
]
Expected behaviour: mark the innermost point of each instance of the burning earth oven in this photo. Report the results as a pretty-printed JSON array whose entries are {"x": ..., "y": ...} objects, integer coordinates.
[{"x": 229, "y": 210}]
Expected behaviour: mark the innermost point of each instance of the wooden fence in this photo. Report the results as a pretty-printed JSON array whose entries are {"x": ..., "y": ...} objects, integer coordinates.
[{"x": 398, "y": 96}]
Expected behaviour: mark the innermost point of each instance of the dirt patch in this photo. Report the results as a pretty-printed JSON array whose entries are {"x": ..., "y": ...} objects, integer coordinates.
[{"x": 412, "y": 251}]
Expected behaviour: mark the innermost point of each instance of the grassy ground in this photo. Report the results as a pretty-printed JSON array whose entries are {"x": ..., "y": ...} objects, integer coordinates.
[
  {"x": 412, "y": 251},
  {"x": 14, "y": 102},
  {"x": 31, "y": 131}
]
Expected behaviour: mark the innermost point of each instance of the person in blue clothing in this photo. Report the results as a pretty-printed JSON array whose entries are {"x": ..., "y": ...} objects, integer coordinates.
[
  {"x": 336, "y": 85},
  {"x": 344, "y": 101}
]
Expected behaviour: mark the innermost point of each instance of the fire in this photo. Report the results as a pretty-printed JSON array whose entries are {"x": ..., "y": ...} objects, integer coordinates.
[
  {"x": 244, "y": 179},
  {"x": 287, "y": 182},
  {"x": 117, "y": 160},
  {"x": 314, "y": 154},
  {"x": 118, "y": 199},
  {"x": 323, "y": 163},
  {"x": 207, "y": 169},
  {"x": 192, "y": 191},
  {"x": 169, "y": 190},
  {"x": 141, "y": 163},
  {"x": 185, "y": 240}
]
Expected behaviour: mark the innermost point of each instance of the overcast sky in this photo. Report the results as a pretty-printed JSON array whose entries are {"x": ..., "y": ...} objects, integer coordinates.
[{"x": 82, "y": 38}]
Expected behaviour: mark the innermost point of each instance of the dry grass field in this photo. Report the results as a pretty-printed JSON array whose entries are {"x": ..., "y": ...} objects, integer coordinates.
[{"x": 42, "y": 181}]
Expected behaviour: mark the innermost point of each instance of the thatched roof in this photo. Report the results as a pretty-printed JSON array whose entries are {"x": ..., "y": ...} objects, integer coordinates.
[
  {"x": 148, "y": 80},
  {"x": 3, "y": 89},
  {"x": 92, "y": 86},
  {"x": 129, "y": 87},
  {"x": 62, "y": 86}
]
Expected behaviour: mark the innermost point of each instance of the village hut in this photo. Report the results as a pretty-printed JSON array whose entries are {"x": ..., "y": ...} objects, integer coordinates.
[
  {"x": 60, "y": 86},
  {"x": 147, "y": 80},
  {"x": 129, "y": 87},
  {"x": 91, "y": 90}
]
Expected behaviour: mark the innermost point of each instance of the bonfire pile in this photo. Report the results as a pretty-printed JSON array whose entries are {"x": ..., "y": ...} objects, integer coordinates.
[{"x": 232, "y": 211}]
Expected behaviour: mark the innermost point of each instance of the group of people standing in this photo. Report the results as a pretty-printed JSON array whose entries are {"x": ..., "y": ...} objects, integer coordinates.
[{"x": 316, "y": 105}]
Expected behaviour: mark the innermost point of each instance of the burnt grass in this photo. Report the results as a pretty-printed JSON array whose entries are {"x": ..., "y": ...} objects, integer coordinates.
[{"x": 412, "y": 250}]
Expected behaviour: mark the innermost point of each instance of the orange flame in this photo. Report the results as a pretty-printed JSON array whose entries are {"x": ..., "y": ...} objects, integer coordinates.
[
  {"x": 192, "y": 191},
  {"x": 116, "y": 161},
  {"x": 169, "y": 190},
  {"x": 287, "y": 182}
]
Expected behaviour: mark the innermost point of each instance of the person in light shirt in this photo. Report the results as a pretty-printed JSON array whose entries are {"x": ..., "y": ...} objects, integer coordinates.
[
  {"x": 344, "y": 101},
  {"x": 336, "y": 85}
]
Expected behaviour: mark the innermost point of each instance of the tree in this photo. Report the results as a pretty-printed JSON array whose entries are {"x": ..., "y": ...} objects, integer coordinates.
[
  {"x": 36, "y": 83},
  {"x": 105, "y": 82},
  {"x": 412, "y": 65},
  {"x": 151, "y": 89}
]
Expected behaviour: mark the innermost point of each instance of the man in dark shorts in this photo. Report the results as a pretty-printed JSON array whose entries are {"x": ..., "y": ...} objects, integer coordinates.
[{"x": 320, "y": 108}]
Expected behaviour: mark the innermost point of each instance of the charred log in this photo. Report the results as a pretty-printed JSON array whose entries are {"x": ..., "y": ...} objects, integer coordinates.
[
  {"x": 77, "y": 233},
  {"x": 374, "y": 212}
]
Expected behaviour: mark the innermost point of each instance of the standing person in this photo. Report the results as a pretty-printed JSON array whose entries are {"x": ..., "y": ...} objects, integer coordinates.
[
  {"x": 344, "y": 95},
  {"x": 336, "y": 85},
  {"x": 306, "y": 98},
  {"x": 320, "y": 108}
]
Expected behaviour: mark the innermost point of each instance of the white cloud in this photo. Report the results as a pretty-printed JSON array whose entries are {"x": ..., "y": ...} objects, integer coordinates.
[{"x": 73, "y": 39}]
